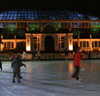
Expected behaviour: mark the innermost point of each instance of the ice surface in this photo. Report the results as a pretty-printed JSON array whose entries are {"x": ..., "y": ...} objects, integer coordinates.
[{"x": 51, "y": 78}]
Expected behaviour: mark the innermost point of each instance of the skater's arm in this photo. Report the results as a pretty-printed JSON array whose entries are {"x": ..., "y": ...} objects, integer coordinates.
[{"x": 22, "y": 64}]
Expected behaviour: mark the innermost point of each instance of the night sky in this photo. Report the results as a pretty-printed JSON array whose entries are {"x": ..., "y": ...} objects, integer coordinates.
[{"x": 90, "y": 7}]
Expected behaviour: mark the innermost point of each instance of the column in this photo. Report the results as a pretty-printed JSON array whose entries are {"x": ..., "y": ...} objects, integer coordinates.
[
  {"x": 56, "y": 42},
  {"x": 70, "y": 39},
  {"x": 66, "y": 41},
  {"x": 90, "y": 42},
  {"x": 42, "y": 42},
  {"x": 1, "y": 44},
  {"x": 15, "y": 42},
  {"x": 28, "y": 42}
]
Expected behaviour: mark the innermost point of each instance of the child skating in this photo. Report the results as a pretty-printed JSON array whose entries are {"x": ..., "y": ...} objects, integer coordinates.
[{"x": 16, "y": 64}]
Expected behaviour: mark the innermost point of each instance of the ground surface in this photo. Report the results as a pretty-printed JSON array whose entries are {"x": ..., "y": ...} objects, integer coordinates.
[{"x": 52, "y": 78}]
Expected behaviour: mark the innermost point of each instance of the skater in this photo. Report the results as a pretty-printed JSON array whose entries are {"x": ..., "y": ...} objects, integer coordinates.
[
  {"x": 77, "y": 61},
  {"x": 24, "y": 55},
  {"x": 33, "y": 55},
  {"x": 16, "y": 64},
  {"x": 38, "y": 53},
  {"x": 1, "y": 64},
  {"x": 89, "y": 55}
]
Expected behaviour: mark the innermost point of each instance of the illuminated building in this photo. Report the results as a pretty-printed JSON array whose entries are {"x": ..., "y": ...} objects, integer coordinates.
[{"x": 48, "y": 30}]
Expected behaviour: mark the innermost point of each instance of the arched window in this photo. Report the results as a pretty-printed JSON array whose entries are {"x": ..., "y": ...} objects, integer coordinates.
[{"x": 49, "y": 29}]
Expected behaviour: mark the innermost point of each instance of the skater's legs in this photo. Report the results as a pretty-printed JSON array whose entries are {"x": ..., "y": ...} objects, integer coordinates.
[
  {"x": 76, "y": 73},
  {"x": 18, "y": 76},
  {"x": 14, "y": 76}
]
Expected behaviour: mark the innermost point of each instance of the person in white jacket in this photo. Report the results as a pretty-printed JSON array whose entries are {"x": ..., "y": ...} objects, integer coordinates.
[
  {"x": 38, "y": 53},
  {"x": 24, "y": 55}
]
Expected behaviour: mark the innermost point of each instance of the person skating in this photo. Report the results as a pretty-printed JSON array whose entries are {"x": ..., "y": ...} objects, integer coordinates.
[
  {"x": 89, "y": 55},
  {"x": 24, "y": 55},
  {"x": 77, "y": 61},
  {"x": 38, "y": 53},
  {"x": 16, "y": 64}
]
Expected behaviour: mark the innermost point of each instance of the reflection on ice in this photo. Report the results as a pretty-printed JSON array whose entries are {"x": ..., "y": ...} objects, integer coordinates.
[{"x": 51, "y": 78}]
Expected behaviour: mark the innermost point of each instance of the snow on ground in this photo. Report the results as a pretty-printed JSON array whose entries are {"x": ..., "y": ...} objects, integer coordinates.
[{"x": 51, "y": 78}]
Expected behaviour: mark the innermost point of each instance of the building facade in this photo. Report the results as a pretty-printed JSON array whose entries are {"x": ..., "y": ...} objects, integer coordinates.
[{"x": 48, "y": 30}]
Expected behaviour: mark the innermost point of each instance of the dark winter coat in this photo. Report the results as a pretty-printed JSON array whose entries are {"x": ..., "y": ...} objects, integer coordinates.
[{"x": 16, "y": 64}]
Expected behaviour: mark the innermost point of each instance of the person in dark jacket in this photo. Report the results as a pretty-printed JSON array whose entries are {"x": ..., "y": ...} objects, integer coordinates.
[
  {"x": 1, "y": 64},
  {"x": 89, "y": 55},
  {"x": 16, "y": 64}
]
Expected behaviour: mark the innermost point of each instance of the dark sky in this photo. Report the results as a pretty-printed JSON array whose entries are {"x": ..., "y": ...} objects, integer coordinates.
[{"x": 91, "y": 7}]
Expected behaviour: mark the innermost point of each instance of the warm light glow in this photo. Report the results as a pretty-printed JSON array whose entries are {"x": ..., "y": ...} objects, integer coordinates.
[
  {"x": 70, "y": 47},
  {"x": 70, "y": 67},
  {"x": 28, "y": 48}
]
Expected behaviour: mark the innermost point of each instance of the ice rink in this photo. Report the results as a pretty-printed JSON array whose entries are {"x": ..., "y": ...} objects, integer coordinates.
[{"x": 51, "y": 78}]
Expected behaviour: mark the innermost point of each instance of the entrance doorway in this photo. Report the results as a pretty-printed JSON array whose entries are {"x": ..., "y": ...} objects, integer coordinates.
[{"x": 49, "y": 44}]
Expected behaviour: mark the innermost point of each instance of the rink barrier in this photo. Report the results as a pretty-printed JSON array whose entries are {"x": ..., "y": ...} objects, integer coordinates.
[{"x": 48, "y": 56}]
